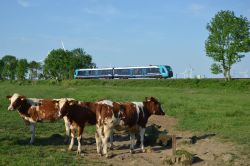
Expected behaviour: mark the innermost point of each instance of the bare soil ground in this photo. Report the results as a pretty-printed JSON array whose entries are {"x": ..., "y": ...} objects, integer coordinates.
[{"x": 208, "y": 149}]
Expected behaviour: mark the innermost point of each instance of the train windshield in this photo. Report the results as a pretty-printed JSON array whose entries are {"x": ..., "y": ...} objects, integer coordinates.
[{"x": 168, "y": 68}]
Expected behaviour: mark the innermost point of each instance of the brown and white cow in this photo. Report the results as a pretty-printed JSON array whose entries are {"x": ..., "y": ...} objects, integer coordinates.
[
  {"x": 107, "y": 118},
  {"x": 34, "y": 110},
  {"x": 133, "y": 117},
  {"x": 78, "y": 114}
]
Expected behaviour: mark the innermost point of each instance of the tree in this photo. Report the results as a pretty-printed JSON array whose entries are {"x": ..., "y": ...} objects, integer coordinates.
[
  {"x": 60, "y": 64},
  {"x": 57, "y": 64},
  {"x": 22, "y": 69},
  {"x": 82, "y": 59},
  {"x": 228, "y": 39},
  {"x": 1, "y": 68},
  {"x": 9, "y": 67},
  {"x": 34, "y": 68}
]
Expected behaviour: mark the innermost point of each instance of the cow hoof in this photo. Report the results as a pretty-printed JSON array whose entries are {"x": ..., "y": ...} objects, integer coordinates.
[
  {"x": 132, "y": 151},
  {"x": 79, "y": 153},
  {"x": 143, "y": 150},
  {"x": 108, "y": 156},
  {"x": 70, "y": 149}
]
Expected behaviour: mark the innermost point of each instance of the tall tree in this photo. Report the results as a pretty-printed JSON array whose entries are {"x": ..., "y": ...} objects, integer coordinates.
[
  {"x": 60, "y": 64},
  {"x": 57, "y": 64},
  {"x": 34, "y": 70},
  {"x": 228, "y": 39},
  {"x": 82, "y": 59},
  {"x": 22, "y": 69},
  {"x": 9, "y": 67}
]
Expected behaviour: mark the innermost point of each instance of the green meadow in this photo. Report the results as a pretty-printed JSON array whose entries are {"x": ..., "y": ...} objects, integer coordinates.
[{"x": 212, "y": 106}]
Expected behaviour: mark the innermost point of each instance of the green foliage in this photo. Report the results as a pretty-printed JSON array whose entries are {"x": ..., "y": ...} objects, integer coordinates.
[
  {"x": 60, "y": 64},
  {"x": 1, "y": 68},
  {"x": 34, "y": 68},
  {"x": 9, "y": 67},
  {"x": 22, "y": 69},
  {"x": 216, "y": 68},
  {"x": 82, "y": 59},
  {"x": 228, "y": 38}
]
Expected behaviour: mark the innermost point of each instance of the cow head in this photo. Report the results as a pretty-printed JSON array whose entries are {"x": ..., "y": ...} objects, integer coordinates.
[
  {"x": 64, "y": 105},
  {"x": 15, "y": 101},
  {"x": 153, "y": 106}
]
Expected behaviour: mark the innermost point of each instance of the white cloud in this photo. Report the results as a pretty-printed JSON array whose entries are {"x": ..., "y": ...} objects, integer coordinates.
[
  {"x": 24, "y": 3},
  {"x": 101, "y": 10}
]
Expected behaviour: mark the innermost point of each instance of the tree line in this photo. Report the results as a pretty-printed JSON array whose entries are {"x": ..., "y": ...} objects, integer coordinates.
[{"x": 59, "y": 64}]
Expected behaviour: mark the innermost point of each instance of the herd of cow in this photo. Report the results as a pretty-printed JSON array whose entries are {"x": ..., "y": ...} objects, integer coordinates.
[{"x": 105, "y": 114}]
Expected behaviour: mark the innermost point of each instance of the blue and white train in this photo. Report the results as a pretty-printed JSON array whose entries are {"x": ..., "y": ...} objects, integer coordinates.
[{"x": 154, "y": 71}]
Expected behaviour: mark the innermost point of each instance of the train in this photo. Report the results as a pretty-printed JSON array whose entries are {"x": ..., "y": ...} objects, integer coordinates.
[{"x": 139, "y": 72}]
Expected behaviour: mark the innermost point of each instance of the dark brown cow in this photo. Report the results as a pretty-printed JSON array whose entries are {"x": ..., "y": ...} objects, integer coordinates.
[
  {"x": 34, "y": 110},
  {"x": 79, "y": 114},
  {"x": 132, "y": 117}
]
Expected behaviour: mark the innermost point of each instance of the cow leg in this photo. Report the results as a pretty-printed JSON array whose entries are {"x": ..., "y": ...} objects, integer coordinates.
[
  {"x": 111, "y": 140},
  {"x": 107, "y": 133},
  {"x": 67, "y": 128},
  {"x": 72, "y": 138},
  {"x": 142, "y": 132},
  {"x": 32, "y": 129},
  {"x": 98, "y": 139},
  {"x": 132, "y": 140},
  {"x": 79, "y": 137}
]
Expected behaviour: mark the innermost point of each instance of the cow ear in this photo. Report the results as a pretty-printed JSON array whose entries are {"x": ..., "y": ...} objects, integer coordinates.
[
  {"x": 8, "y": 97},
  {"x": 147, "y": 98}
]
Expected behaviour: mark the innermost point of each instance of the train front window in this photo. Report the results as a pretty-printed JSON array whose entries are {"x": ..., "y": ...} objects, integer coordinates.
[{"x": 168, "y": 68}]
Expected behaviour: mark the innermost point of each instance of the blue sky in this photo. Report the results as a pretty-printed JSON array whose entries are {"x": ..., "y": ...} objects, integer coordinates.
[{"x": 117, "y": 32}]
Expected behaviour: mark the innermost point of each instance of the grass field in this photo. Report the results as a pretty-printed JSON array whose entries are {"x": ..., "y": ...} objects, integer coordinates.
[{"x": 199, "y": 105}]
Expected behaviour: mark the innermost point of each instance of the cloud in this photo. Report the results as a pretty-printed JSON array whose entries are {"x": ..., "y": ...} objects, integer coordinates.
[
  {"x": 24, "y": 3},
  {"x": 101, "y": 10},
  {"x": 196, "y": 8}
]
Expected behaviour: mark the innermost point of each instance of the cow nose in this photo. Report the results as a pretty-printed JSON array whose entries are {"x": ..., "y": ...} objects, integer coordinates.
[{"x": 10, "y": 108}]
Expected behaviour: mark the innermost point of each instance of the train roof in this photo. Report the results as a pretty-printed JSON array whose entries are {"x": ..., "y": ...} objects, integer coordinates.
[{"x": 132, "y": 67}]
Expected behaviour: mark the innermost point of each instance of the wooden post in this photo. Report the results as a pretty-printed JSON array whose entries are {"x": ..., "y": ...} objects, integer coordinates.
[{"x": 173, "y": 144}]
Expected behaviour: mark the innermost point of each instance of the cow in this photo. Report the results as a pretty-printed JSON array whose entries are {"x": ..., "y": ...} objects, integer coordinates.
[
  {"x": 34, "y": 110},
  {"x": 107, "y": 118},
  {"x": 79, "y": 114},
  {"x": 132, "y": 116}
]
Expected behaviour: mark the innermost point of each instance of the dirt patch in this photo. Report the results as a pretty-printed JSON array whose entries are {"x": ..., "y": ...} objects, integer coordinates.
[{"x": 207, "y": 149}]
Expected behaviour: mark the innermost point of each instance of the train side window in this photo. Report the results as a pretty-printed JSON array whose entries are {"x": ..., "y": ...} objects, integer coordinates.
[
  {"x": 122, "y": 71},
  {"x": 137, "y": 71}
]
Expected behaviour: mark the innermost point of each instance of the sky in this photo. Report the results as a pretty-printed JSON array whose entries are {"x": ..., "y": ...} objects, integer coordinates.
[{"x": 118, "y": 33}]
